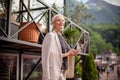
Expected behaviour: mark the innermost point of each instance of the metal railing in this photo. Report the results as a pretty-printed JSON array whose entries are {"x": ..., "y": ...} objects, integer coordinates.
[
  {"x": 41, "y": 14},
  {"x": 9, "y": 30}
]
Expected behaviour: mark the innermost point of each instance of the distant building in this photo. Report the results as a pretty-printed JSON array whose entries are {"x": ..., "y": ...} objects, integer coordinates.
[{"x": 107, "y": 57}]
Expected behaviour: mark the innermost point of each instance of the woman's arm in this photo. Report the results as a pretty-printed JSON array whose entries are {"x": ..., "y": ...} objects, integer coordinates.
[{"x": 72, "y": 52}]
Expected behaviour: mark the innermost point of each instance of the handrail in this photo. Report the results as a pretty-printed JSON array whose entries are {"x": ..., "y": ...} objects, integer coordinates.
[{"x": 47, "y": 11}]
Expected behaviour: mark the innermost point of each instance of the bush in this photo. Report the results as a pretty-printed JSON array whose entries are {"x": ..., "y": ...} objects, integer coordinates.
[
  {"x": 78, "y": 68},
  {"x": 89, "y": 71}
]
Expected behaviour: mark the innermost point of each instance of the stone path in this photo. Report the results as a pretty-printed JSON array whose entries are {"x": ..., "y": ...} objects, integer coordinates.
[{"x": 112, "y": 76}]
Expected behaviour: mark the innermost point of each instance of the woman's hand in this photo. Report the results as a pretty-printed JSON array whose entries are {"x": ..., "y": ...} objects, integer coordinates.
[{"x": 73, "y": 52}]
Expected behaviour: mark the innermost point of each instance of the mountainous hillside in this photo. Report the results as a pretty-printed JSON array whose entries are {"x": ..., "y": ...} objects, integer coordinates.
[{"x": 102, "y": 11}]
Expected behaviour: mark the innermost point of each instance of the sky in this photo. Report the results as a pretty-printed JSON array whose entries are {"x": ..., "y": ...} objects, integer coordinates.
[
  {"x": 60, "y": 2},
  {"x": 114, "y": 2},
  {"x": 83, "y": 0}
]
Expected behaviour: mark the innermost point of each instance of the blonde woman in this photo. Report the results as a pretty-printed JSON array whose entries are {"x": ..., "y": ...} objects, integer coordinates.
[{"x": 55, "y": 51}]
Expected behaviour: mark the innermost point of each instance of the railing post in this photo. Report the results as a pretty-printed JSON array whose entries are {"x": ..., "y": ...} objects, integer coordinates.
[
  {"x": 49, "y": 19},
  {"x": 9, "y": 17}
]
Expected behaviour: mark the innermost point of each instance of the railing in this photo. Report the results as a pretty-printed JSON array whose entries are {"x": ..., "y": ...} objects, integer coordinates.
[
  {"x": 39, "y": 14},
  {"x": 34, "y": 15}
]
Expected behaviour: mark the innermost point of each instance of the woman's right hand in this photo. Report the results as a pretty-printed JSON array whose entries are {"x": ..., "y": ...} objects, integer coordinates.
[{"x": 73, "y": 52}]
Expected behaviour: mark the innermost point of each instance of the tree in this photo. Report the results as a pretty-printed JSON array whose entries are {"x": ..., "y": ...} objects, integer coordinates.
[
  {"x": 77, "y": 12},
  {"x": 89, "y": 68},
  {"x": 80, "y": 13},
  {"x": 110, "y": 34}
]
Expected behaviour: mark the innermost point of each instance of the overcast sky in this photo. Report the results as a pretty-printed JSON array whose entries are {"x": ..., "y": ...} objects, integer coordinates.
[
  {"x": 114, "y": 2},
  {"x": 60, "y": 2}
]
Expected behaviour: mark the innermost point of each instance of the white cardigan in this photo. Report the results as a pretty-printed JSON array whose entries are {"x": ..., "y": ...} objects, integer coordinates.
[{"x": 51, "y": 57}]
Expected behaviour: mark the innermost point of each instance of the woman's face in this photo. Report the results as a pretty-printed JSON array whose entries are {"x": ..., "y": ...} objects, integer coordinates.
[{"x": 59, "y": 23}]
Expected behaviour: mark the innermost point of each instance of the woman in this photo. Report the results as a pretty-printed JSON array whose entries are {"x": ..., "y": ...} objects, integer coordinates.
[
  {"x": 108, "y": 71},
  {"x": 55, "y": 51}
]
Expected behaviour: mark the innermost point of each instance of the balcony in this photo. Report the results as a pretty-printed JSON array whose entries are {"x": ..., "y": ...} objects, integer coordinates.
[{"x": 23, "y": 57}]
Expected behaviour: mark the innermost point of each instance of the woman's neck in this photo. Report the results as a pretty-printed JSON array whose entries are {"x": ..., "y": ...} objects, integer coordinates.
[{"x": 58, "y": 32}]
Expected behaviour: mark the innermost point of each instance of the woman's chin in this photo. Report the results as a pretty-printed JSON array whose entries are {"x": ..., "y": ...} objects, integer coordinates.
[{"x": 62, "y": 29}]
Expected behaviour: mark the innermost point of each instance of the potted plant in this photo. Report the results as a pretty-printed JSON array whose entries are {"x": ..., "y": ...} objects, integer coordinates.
[{"x": 30, "y": 33}]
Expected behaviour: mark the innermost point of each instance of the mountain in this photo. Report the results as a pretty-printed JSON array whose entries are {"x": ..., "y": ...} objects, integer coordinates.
[{"x": 102, "y": 11}]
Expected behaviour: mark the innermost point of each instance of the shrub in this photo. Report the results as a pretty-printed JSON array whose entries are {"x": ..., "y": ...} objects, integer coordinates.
[
  {"x": 89, "y": 71},
  {"x": 78, "y": 68}
]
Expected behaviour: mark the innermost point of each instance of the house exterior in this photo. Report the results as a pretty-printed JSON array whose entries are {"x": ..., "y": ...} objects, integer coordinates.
[{"x": 107, "y": 57}]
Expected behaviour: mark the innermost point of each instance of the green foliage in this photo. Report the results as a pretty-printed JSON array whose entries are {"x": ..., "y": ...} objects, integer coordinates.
[
  {"x": 72, "y": 34},
  {"x": 103, "y": 37},
  {"x": 78, "y": 68},
  {"x": 98, "y": 43},
  {"x": 89, "y": 68},
  {"x": 110, "y": 33},
  {"x": 79, "y": 13}
]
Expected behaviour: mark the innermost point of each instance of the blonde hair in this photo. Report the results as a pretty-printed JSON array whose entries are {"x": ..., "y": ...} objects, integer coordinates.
[{"x": 53, "y": 19}]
